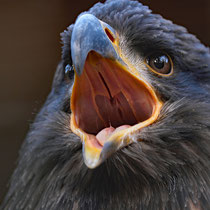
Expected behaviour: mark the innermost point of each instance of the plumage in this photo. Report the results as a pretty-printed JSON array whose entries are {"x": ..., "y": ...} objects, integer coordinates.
[{"x": 168, "y": 169}]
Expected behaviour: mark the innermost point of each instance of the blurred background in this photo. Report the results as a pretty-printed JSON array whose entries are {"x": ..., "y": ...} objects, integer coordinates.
[{"x": 30, "y": 50}]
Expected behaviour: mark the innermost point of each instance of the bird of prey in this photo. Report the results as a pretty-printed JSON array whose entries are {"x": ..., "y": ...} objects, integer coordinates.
[{"x": 127, "y": 123}]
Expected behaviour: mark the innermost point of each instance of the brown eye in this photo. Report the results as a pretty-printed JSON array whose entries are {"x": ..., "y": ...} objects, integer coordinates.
[
  {"x": 69, "y": 71},
  {"x": 160, "y": 63}
]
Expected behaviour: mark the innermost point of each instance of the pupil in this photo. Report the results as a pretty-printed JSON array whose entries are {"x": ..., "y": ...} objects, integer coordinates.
[{"x": 159, "y": 62}]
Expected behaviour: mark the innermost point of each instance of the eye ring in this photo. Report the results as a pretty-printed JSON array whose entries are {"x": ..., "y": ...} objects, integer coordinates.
[{"x": 160, "y": 63}]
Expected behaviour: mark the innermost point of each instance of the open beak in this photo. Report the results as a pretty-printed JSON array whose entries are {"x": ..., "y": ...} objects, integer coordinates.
[{"x": 110, "y": 101}]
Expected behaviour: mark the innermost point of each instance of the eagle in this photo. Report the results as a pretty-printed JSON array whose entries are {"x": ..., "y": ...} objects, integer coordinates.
[{"x": 126, "y": 125}]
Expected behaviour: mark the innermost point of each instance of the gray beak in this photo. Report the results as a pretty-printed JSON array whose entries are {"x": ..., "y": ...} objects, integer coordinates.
[{"x": 91, "y": 34}]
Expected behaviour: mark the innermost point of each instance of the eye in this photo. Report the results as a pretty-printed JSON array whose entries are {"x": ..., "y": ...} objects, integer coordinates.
[
  {"x": 160, "y": 63},
  {"x": 69, "y": 71}
]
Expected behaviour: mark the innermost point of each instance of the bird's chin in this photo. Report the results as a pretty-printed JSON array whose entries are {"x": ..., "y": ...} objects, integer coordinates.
[{"x": 109, "y": 105}]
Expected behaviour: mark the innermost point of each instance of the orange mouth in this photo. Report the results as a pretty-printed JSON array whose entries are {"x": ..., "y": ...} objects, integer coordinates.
[
  {"x": 107, "y": 97},
  {"x": 108, "y": 101}
]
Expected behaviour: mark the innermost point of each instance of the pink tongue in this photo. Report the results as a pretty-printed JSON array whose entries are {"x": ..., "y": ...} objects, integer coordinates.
[{"x": 104, "y": 134}]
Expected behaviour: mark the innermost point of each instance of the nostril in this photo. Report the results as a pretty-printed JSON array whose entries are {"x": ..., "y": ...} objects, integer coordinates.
[{"x": 109, "y": 34}]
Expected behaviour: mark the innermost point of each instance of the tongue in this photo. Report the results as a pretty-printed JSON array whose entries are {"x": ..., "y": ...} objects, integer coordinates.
[{"x": 105, "y": 133}]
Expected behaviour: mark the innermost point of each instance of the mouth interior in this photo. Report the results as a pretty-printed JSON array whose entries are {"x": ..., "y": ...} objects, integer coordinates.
[{"x": 106, "y": 95}]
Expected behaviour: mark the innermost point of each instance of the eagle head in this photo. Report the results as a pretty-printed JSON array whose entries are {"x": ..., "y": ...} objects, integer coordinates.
[{"x": 127, "y": 122}]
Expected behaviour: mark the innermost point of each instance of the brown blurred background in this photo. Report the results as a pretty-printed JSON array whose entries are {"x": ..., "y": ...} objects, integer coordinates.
[{"x": 30, "y": 50}]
